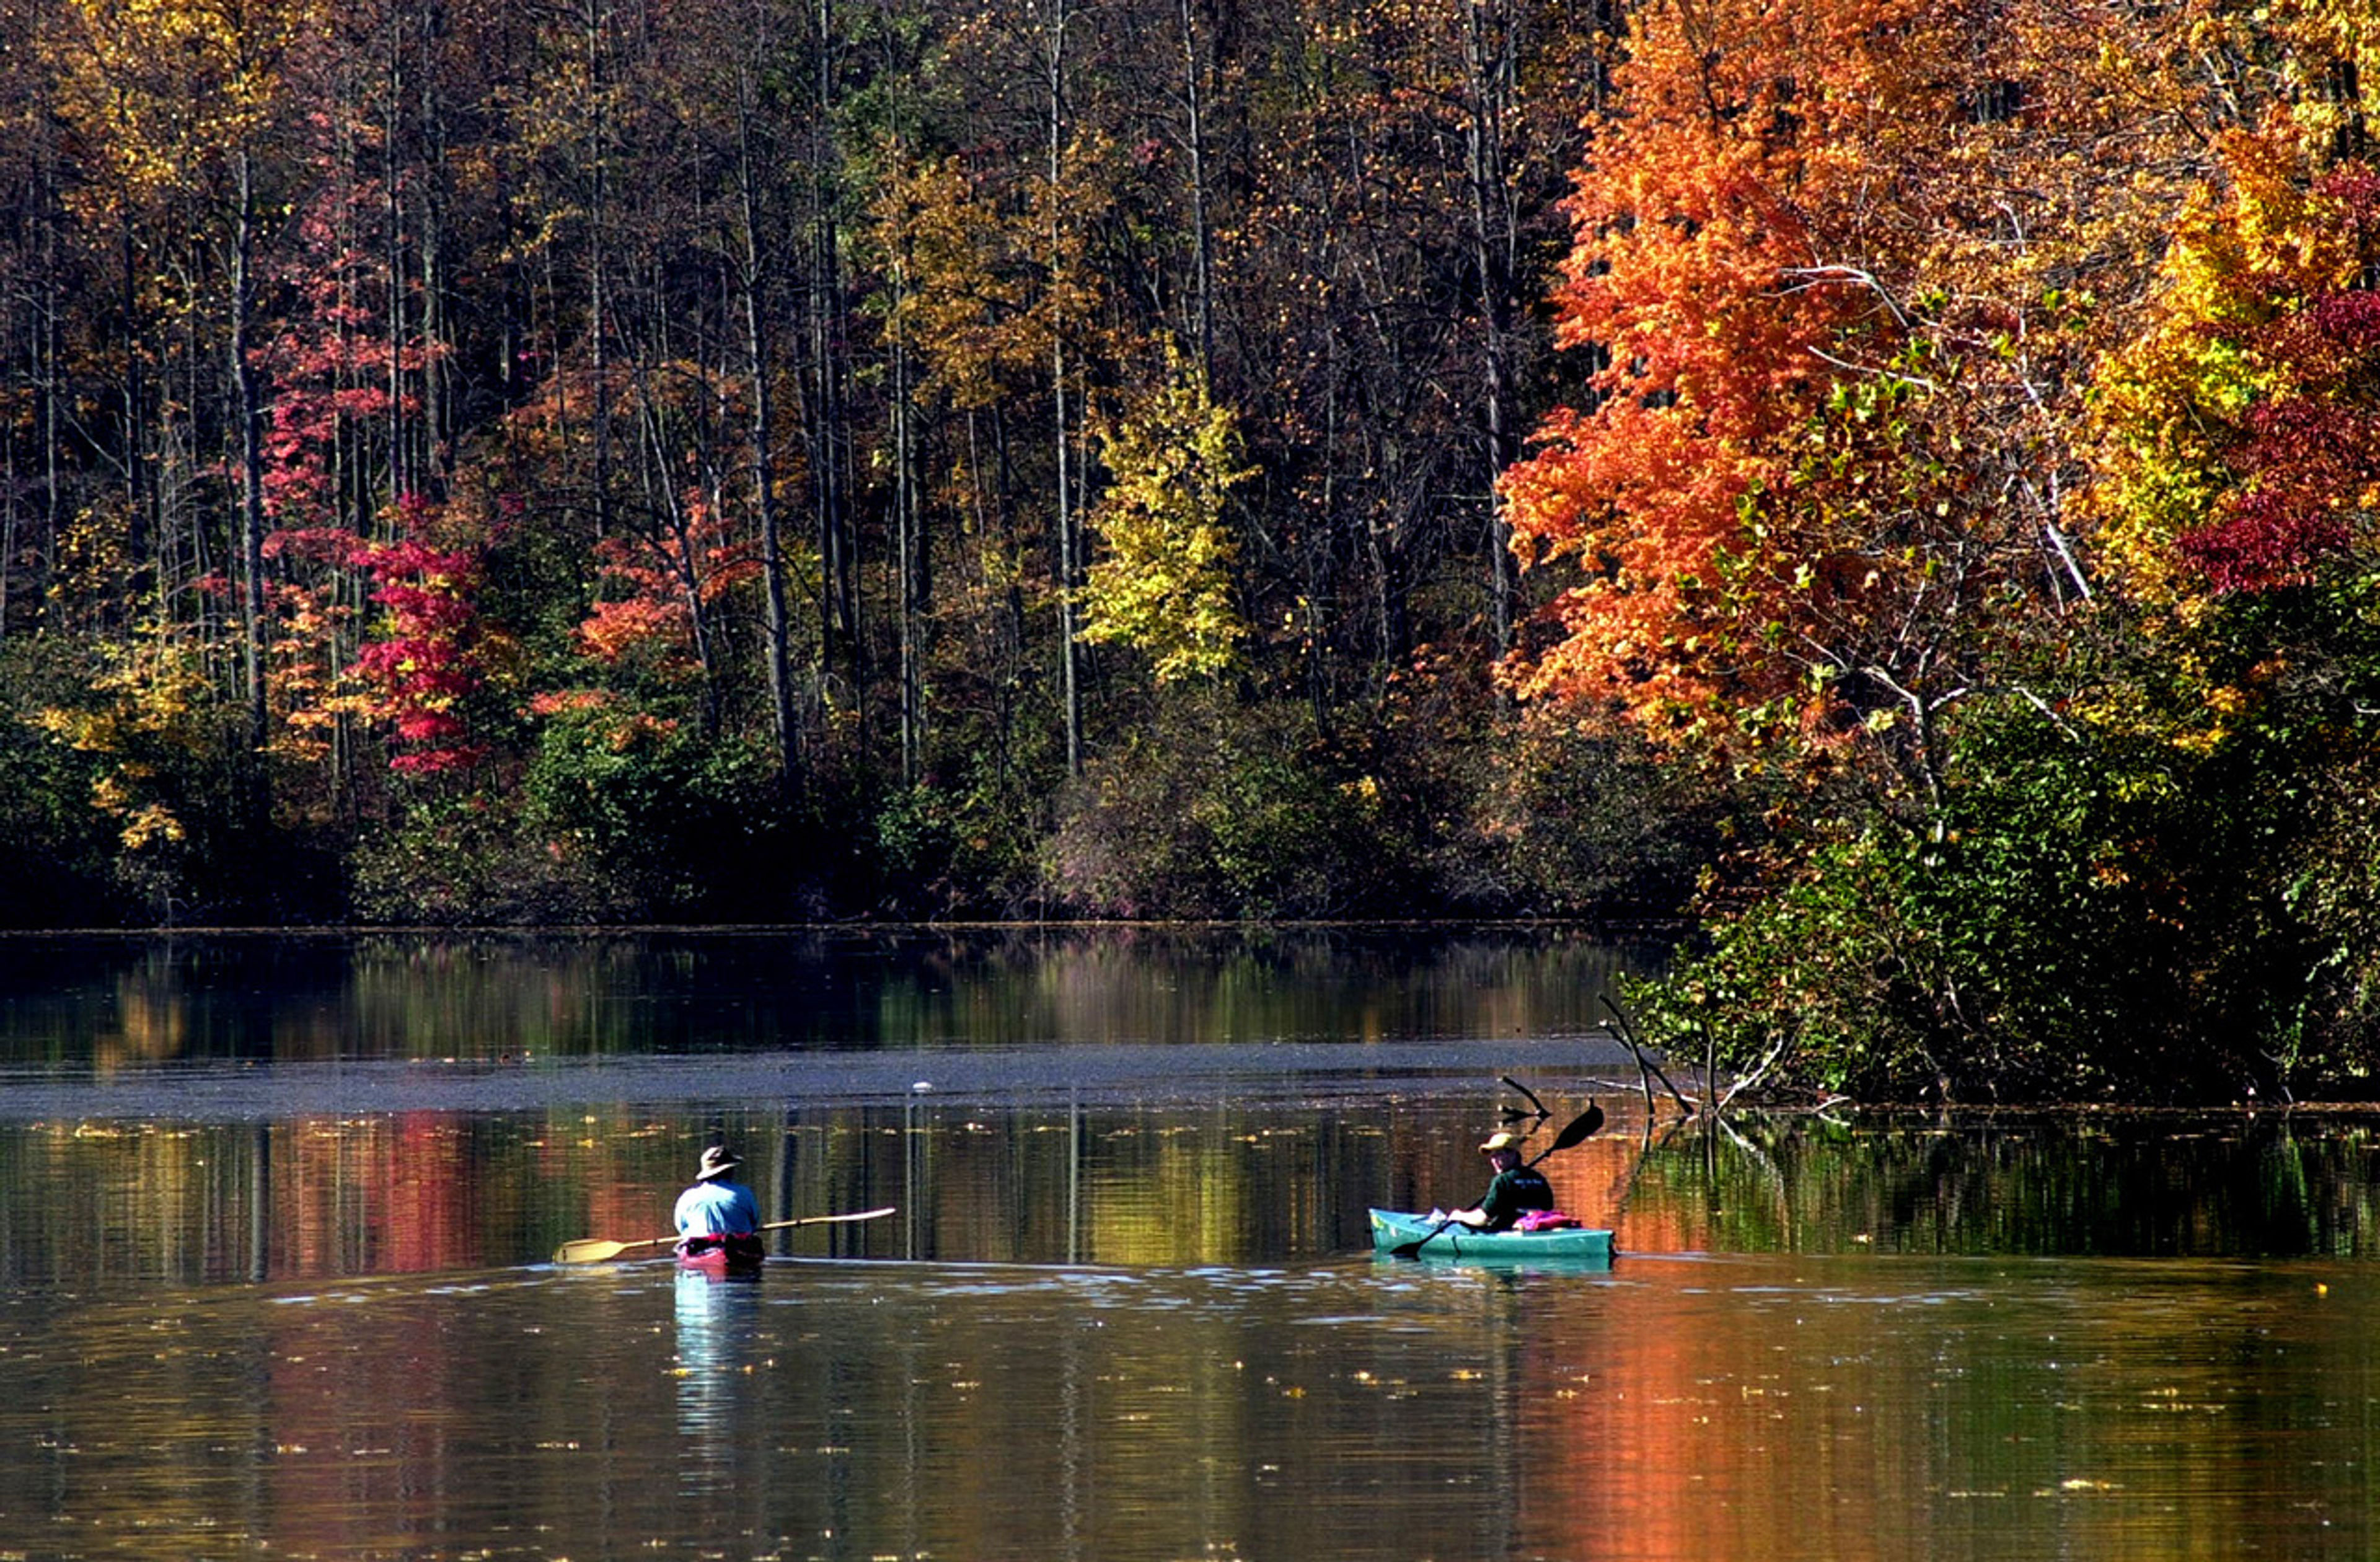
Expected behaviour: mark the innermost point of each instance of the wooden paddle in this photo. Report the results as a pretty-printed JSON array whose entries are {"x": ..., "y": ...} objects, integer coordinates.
[
  {"x": 594, "y": 1250},
  {"x": 1578, "y": 1130}
]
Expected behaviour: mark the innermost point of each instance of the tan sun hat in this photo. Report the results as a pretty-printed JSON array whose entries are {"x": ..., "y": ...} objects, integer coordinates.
[
  {"x": 1495, "y": 1141},
  {"x": 717, "y": 1161}
]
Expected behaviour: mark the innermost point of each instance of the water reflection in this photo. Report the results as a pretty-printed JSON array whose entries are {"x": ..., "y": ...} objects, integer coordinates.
[
  {"x": 1264, "y": 1180},
  {"x": 1860, "y": 1406},
  {"x": 1123, "y": 1321},
  {"x": 2126, "y": 1183},
  {"x": 718, "y": 1334},
  {"x": 111, "y": 1004}
]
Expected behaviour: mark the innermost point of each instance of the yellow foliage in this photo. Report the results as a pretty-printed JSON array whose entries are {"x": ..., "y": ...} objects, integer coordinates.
[
  {"x": 985, "y": 276},
  {"x": 1164, "y": 586},
  {"x": 148, "y": 713},
  {"x": 161, "y": 90},
  {"x": 150, "y": 824}
]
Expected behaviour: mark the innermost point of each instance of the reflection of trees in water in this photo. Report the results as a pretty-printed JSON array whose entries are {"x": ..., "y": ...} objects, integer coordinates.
[
  {"x": 1251, "y": 1181},
  {"x": 506, "y": 998},
  {"x": 2114, "y": 1183},
  {"x": 409, "y": 1192}
]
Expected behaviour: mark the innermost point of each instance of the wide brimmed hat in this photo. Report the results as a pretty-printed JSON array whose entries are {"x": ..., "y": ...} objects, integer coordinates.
[
  {"x": 717, "y": 1161},
  {"x": 1495, "y": 1141}
]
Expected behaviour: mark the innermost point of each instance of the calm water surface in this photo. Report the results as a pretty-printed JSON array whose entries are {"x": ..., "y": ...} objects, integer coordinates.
[{"x": 273, "y": 1277}]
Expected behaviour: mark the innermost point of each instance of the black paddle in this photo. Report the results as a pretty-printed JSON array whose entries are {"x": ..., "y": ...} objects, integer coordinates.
[{"x": 1578, "y": 1130}]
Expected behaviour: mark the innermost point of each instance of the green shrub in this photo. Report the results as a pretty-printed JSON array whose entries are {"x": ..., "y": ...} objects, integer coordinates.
[
  {"x": 2014, "y": 948},
  {"x": 1253, "y": 817}
]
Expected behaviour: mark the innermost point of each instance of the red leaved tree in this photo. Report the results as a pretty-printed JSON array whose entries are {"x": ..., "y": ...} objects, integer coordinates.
[{"x": 424, "y": 665}]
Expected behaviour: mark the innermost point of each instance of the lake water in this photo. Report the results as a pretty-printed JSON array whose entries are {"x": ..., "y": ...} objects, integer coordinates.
[{"x": 275, "y": 1218}]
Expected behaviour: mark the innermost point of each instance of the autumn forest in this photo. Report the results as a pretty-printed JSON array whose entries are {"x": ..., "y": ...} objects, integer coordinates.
[{"x": 1886, "y": 487}]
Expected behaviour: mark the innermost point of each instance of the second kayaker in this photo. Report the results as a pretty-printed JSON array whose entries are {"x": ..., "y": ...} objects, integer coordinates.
[{"x": 1515, "y": 1190}]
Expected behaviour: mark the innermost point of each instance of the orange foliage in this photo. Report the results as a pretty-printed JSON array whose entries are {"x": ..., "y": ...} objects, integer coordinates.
[
  {"x": 1833, "y": 258},
  {"x": 1709, "y": 274},
  {"x": 670, "y": 576}
]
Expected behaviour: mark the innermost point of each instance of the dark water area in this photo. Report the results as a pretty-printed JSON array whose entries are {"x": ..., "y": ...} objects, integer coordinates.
[
  {"x": 277, "y": 1219},
  {"x": 107, "y": 1003}
]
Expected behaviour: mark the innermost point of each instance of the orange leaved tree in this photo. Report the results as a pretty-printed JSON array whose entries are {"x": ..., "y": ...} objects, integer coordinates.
[
  {"x": 1842, "y": 274},
  {"x": 1831, "y": 279}
]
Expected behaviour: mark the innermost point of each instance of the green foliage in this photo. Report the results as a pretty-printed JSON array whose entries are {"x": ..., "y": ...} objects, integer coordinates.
[
  {"x": 55, "y": 850},
  {"x": 962, "y": 849},
  {"x": 2282, "y": 888},
  {"x": 1243, "y": 817},
  {"x": 665, "y": 823},
  {"x": 2129, "y": 910},
  {"x": 2020, "y": 950},
  {"x": 156, "y": 781},
  {"x": 1575, "y": 820},
  {"x": 621, "y": 818},
  {"x": 460, "y": 860}
]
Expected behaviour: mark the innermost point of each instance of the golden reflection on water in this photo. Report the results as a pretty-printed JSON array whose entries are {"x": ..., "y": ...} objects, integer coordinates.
[{"x": 1668, "y": 1410}]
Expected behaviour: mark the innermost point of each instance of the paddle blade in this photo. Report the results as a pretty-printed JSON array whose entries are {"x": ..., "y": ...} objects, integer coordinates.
[
  {"x": 1580, "y": 1128},
  {"x": 591, "y": 1250},
  {"x": 1414, "y": 1248}
]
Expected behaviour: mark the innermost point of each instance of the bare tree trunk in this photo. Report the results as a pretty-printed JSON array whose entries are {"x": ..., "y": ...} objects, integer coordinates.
[
  {"x": 438, "y": 370},
  {"x": 599, "y": 303},
  {"x": 763, "y": 433},
  {"x": 138, "y": 477},
  {"x": 51, "y": 388},
  {"x": 1069, "y": 653},
  {"x": 400, "y": 467},
  {"x": 917, "y": 576},
  {"x": 251, "y": 412},
  {"x": 1488, "y": 73},
  {"x": 8, "y": 539},
  {"x": 1202, "y": 235},
  {"x": 838, "y": 569}
]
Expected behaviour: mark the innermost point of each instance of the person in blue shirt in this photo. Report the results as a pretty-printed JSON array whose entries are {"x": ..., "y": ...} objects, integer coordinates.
[{"x": 718, "y": 1213}]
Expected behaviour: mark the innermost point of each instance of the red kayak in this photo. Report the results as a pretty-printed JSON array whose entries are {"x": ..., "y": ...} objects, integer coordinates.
[{"x": 740, "y": 1255}]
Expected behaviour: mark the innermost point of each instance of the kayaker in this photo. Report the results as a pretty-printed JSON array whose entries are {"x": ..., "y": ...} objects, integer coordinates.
[
  {"x": 716, "y": 1212},
  {"x": 1515, "y": 1191}
]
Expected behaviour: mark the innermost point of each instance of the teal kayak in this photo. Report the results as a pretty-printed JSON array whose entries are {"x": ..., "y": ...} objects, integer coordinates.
[{"x": 1569, "y": 1244}]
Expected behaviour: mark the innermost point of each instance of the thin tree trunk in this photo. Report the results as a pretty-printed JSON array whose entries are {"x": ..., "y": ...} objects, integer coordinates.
[
  {"x": 251, "y": 465},
  {"x": 1489, "y": 79},
  {"x": 763, "y": 433},
  {"x": 1202, "y": 237},
  {"x": 915, "y": 569},
  {"x": 599, "y": 303},
  {"x": 8, "y": 539},
  {"x": 1069, "y": 656},
  {"x": 140, "y": 541},
  {"x": 838, "y": 625},
  {"x": 438, "y": 369},
  {"x": 51, "y": 430},
  {"x": 400, "y": 465}
]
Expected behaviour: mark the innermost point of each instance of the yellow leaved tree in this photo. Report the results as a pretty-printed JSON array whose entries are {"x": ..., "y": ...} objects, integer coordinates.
[{"x": 1163, "y": 583}]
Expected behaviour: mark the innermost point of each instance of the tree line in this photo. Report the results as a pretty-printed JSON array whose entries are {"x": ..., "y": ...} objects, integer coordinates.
[
  {"x": 630, "y": 460},
  {"x": 1892, "y": 479}
]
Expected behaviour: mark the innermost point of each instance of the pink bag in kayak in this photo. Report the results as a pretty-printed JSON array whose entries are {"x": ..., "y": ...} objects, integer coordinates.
[{"x": 1545, "y": 1220}]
